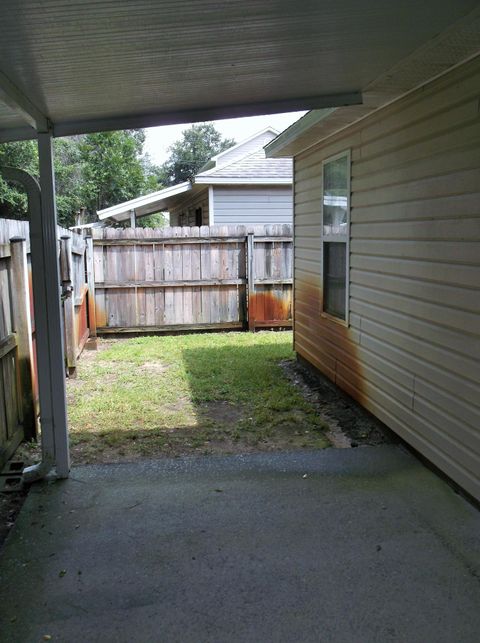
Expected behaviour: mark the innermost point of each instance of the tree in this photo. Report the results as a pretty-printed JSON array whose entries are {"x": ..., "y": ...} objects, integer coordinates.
[
  {"x": 115, "y": 169},
  {"x": 197, "y": 145},
  {"x": 69, "y": 168},
  {"x": 91, "y": 171}
]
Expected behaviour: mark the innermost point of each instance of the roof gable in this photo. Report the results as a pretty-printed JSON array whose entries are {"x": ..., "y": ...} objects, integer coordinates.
[{"x": 245, "y": 147}]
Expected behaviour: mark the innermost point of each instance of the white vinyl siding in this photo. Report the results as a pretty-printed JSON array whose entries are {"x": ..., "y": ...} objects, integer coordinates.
[
  {"x": 260, "y": 205},
  {"x": 411, "y": 354}
]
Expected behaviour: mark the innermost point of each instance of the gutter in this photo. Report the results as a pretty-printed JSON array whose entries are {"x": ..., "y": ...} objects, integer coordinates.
[{"x": 295, "y": 130}]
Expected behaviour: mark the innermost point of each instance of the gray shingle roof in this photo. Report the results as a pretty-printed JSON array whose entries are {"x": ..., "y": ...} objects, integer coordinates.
[{"x": 254, "y": 166}]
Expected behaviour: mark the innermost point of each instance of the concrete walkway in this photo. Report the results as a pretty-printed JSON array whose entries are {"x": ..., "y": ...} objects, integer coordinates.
[{"x": 357, "y": 545}]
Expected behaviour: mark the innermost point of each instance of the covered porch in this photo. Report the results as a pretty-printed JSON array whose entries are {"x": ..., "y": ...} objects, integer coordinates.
[{"x": 341, "y": 545}]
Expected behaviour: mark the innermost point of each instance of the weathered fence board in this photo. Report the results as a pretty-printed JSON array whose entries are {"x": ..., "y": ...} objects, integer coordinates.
[
  {"x": 176, "y": 278},
  {"x": 18, "y": 379}
]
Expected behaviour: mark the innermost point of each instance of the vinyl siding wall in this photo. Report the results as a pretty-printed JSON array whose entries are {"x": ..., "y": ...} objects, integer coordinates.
[
  {"x": 184, "y": 213},
  {"x": 252, "y": 205},
  {"x": 411, "y": 352}
]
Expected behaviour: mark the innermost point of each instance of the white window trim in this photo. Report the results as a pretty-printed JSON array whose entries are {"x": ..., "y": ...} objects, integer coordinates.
[{"x": 338, "y": 238}]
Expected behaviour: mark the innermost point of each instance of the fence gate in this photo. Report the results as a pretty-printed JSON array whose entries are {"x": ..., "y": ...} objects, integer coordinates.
[
  {"x": 18, "y": 372},
  {"x": 194, "y": 278},
  {"x": 74, "y": 256}
]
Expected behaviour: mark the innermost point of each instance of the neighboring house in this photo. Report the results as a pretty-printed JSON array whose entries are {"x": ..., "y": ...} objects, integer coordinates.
[
  {"x": 237, "y": 186},
  {"x": 387, "y": 256}
]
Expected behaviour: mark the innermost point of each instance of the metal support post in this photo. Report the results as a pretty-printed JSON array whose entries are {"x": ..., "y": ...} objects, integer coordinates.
[{"x": 48, "y": 320}]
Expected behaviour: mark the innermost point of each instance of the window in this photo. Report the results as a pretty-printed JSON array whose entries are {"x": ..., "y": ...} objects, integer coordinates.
[
  {"x": 198, "y": 217},
  {"x": 335, "y": 234}
]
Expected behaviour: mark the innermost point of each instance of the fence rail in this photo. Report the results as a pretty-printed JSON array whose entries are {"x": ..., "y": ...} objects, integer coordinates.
[{"x": 192, "y": 278}]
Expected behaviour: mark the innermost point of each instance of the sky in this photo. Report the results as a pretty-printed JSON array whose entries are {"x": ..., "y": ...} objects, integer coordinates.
[{"x": 159, "y": 139}]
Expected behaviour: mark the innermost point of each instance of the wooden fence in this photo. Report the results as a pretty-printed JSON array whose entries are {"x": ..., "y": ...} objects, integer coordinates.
[
  {"x": 192, "y": 278},
  {"x": 138, "y": 280},
  {"x": 18, "y": 372}
]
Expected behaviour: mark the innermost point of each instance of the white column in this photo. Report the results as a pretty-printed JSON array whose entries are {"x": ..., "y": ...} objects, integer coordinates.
[
  {"x": 133, "y": 221},
  {"x": 211, "y": 207},
  {"x": 48, "y": 318}
]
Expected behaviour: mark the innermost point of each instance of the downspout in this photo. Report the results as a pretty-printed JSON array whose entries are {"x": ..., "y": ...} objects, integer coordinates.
[
  {"x": 40, "y": 470},
  {"x": 54, "y": 434}
]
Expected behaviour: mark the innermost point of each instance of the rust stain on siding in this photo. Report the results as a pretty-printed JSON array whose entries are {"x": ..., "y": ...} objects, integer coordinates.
[{"x": 332, "y": 345}]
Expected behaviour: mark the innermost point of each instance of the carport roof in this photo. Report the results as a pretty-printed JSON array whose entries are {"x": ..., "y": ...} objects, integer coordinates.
[
  {"x": 452, "y": 47},
  {"x": 144, "y": 205},
  {"x": 75, "y": 67}
]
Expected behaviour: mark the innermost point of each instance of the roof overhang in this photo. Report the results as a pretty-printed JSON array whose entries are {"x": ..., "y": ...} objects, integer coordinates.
[
  {"x": 451, "y": 48},
  {"x": 71, "y": 67},
  {"x": 144, "y": 205}
]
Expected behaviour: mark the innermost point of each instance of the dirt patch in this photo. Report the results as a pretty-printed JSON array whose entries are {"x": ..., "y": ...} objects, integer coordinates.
[
  {"x": 349, "y": 425},
  {"x": 222, "y": 412},
  {"x": 221, "y": 429},
  {"x": 155, "y": 368}
]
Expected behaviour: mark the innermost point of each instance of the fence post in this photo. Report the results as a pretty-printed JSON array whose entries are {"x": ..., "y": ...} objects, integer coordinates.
[
  {"x": 23, "y": 328},
  {"x": 68, "y": 297},
  {"x": 92, "y": 318},
  {"x": 251, "y": 281}
]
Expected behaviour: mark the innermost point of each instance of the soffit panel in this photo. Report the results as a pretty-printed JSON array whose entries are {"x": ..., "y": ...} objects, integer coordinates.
[{"x": 90, "y": 60}]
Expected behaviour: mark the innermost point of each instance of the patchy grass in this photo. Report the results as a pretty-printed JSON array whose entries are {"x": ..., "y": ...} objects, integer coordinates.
[{"x": 204, "y": 393}]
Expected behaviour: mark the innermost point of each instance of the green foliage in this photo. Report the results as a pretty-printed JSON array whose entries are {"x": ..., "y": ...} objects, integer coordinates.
[
  {"x": 23, "y": 155},
  {"x": 69, "y": 167},
  {"x": 158, "y": 220},
  {"x": 197, "y": 145},
  {"x": 96, "y": 171},
  {"x": 92, "y": 171},
  {"x": 113, "y": 170}
]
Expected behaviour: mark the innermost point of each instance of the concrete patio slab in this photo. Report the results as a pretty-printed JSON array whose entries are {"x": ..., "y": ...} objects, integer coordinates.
[{"x": 357, "y": 545}]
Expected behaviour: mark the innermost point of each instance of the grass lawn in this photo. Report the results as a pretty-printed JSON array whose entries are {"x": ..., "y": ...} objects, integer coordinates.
[{"x": 191, "y": 394}]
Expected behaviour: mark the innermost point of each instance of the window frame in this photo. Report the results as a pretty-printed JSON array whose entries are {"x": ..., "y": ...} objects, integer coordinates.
[{"x": 337, "y": 238}]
